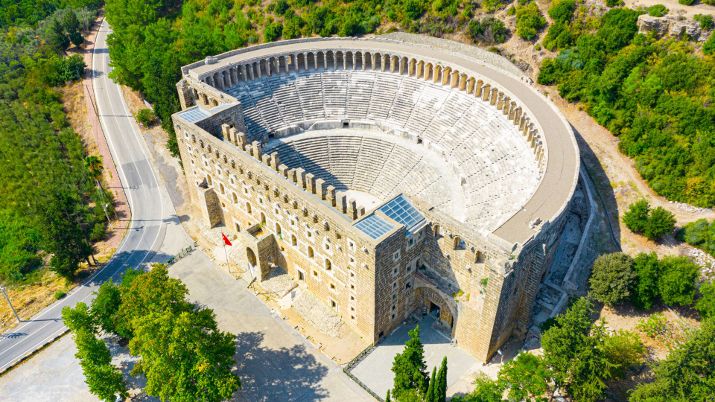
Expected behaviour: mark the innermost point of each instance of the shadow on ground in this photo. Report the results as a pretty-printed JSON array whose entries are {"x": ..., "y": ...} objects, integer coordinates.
[{"x": 285, "y": 374}]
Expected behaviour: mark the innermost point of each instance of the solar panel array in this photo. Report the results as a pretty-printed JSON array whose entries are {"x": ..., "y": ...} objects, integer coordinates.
[
  {"x": 194, "y": 114},
  {"x": 403, "y": 212},
  {"x": 374, "y": 226}
]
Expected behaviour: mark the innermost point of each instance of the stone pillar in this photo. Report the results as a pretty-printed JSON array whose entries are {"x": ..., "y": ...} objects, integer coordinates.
[
  {"x": 283, "y": 169},
  {"x": 330, "y": 194},
  {"x": 341, "y": 202},
  {"x": 275, "y": 161},
  {"x": 256, "y": 149},
  {"x": 478, "y": 88},
  {"x": 352, "y": 209},
  {"x": 493, "y": 99},
  {"x": 486, "y": 92},
  {"x": 320, "y": 188},
  {"x": 310, "y": 183},
  {"x": 300, "y": 177}
]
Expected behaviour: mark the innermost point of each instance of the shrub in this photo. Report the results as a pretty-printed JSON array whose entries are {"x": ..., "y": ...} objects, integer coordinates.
[
  {"x": 413, "y": 9},
  {"x": 709, "y": 45},
  {"x": 273, "y": 32},
  {"x": 645, "y": 290},
  {"x": 60, "y": 294},
  {"x": 705, "y": 21},
  {"x": 612, "y": 278},
  {"x": 657, "y": 10},
  {"x": 146, "y": 117},
  {"x": 614, "y": 3},
  {"x": 676, "y": 283},
  {"x": 653, "y": 326},
  {"x": 625, "y": 350},
  {"x": 529, "y": 21},
  {"x": 492, "y": 5},
  {"x": 488, "y": 30},
  {"x": 654, "y": 223},
  {"x": 700, "y": 234},
  {"x": 706, "y": 303},
  {"x": 660, "y": 223},
  {"x": 636, "y": 218},
  {"x": 687, "y": 2}
]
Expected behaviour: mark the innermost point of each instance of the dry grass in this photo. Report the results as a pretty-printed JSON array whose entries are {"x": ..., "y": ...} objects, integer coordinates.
[{"x": 28, "y": 300}]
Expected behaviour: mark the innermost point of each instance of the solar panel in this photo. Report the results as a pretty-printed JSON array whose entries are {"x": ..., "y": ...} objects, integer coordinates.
[
  {"x": 403, "y": 212},
  {"x": 374, "y": 226},
  {"x": 194, "y": 114}
]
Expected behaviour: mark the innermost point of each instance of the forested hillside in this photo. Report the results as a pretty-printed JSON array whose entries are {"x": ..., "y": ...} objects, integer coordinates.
[
  {"x": 654, "y": 94},
  {"x": 49, "y": 202}
]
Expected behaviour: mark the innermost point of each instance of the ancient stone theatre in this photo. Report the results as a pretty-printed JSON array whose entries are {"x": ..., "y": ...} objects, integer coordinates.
[{"x": 387, "y": 177}]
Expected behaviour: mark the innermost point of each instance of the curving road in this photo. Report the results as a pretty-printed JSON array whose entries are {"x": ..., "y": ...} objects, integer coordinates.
[{"x": 152, "y": 213}]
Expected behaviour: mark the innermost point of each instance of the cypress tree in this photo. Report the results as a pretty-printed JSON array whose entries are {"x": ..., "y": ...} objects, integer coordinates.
[
  {"x": 387, "y": 398},
  {"x": 430, "y": 397},
  {"x": 441, "y": 386},
  {"x": 410, "y": 369}
]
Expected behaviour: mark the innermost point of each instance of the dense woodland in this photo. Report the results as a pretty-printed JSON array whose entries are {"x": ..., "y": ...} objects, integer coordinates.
[{"x": 50, "y": 203}]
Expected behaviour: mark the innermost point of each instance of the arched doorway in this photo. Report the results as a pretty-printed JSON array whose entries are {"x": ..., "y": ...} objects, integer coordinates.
[{"x": 252, "y": 260}]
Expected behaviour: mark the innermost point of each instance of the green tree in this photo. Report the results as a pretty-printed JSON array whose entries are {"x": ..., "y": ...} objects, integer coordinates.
[
  {"x": 706, "y": 303},
  {"x": 488, "y": 30},
  {"x": 410, "y": 370},
  {"x": 676, "y": 283},
  {"x": 56, "y": 37},
  {"x": 660, "y": 223},
  {"x": 431, "y": 392},
  {"x": 200, "y": 364},
  {"x": 146, "y": 293},
  {"x": 636, "y": 217},
  {"x": 105, "y": 306},
  {"x": 687, "y": 374},
  {"x": 574, "y": 353},
  {"x": 485, "y": 390},
  {"x": 612, "y": 278},
  {"x": 104, "y": 380},
  {"x": 78, "y": 318},
  {"x": 440, "y": 389},
  {"x": 525, "y": 377},
  {"x": 645, "y": 291}
]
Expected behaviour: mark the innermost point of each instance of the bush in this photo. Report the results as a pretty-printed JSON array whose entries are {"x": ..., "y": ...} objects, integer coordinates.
[
  {"x": 614, "y": 3},
  {"x": 654, "y": 224},
  {"x": 660, "y": 223},
  {"x": 612, "y": 278},
  {"x": 636, "y": 218},
  {"x": 687, "y": 2},
  {"x": 645, "y": 292},
  {"x": 676, "y": 283},
  {"x": 492, "y": 5},
  {"x": 709, "y": 45},
  {"x": 653, "y": 326},
  {"x": 146, "y": 117},
  {"x": 625, "y": 350},
  {"x": 529, "y": 21},
  {"x": 706, "y": 303},
  {"x": 413, "y": 9},
  {"x": 705, "y": 21},
  {"x": 700, "y": 234},
  {"x": 273, "y": 32},
  {"x": 60, "y": 294},
  {"x": 657, "y": 10},
  {"x": 488, "y": 30}
]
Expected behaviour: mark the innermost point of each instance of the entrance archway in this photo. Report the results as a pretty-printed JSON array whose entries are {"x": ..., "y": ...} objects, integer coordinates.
[{"x": 252, "y": 260}]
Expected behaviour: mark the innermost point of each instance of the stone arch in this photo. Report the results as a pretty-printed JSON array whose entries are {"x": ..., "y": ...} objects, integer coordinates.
[
  {"x": 339, "y": 60},
  {"x": 320, "y": 60},
  {"x": 429, "y": 297},
  {"x": 251, "y": 257},
  {"x": 377, "y": 61},
  {"x": 367, "y": 61},
  {"x": 301, "y": 62},
  {"x": 358, "y": 63},
  {"x": 310, "y": 61},
  {"x": 349, "y": 60},
  {"x": 330, "y": 60}
]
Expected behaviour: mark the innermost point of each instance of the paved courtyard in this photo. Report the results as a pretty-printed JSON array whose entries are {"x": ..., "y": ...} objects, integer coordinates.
[
  {"x": 375, "y": 371},
  {"x": 275, "y": 363}
]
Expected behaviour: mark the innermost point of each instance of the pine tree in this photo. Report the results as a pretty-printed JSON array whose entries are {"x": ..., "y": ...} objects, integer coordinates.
[
  {"x": 387, "y": 398},
  {"x": 441, "y": 386}
]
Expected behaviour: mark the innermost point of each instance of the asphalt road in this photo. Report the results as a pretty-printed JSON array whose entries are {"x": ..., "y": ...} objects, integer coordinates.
[{"x": 152, "y": 212}]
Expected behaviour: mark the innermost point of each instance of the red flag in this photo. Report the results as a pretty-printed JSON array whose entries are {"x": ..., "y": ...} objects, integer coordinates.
[{"x": 226, "y": 241}]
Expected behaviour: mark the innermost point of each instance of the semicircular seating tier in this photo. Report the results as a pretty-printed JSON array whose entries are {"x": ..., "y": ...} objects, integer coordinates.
[{"x": 496, "y": 172}]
